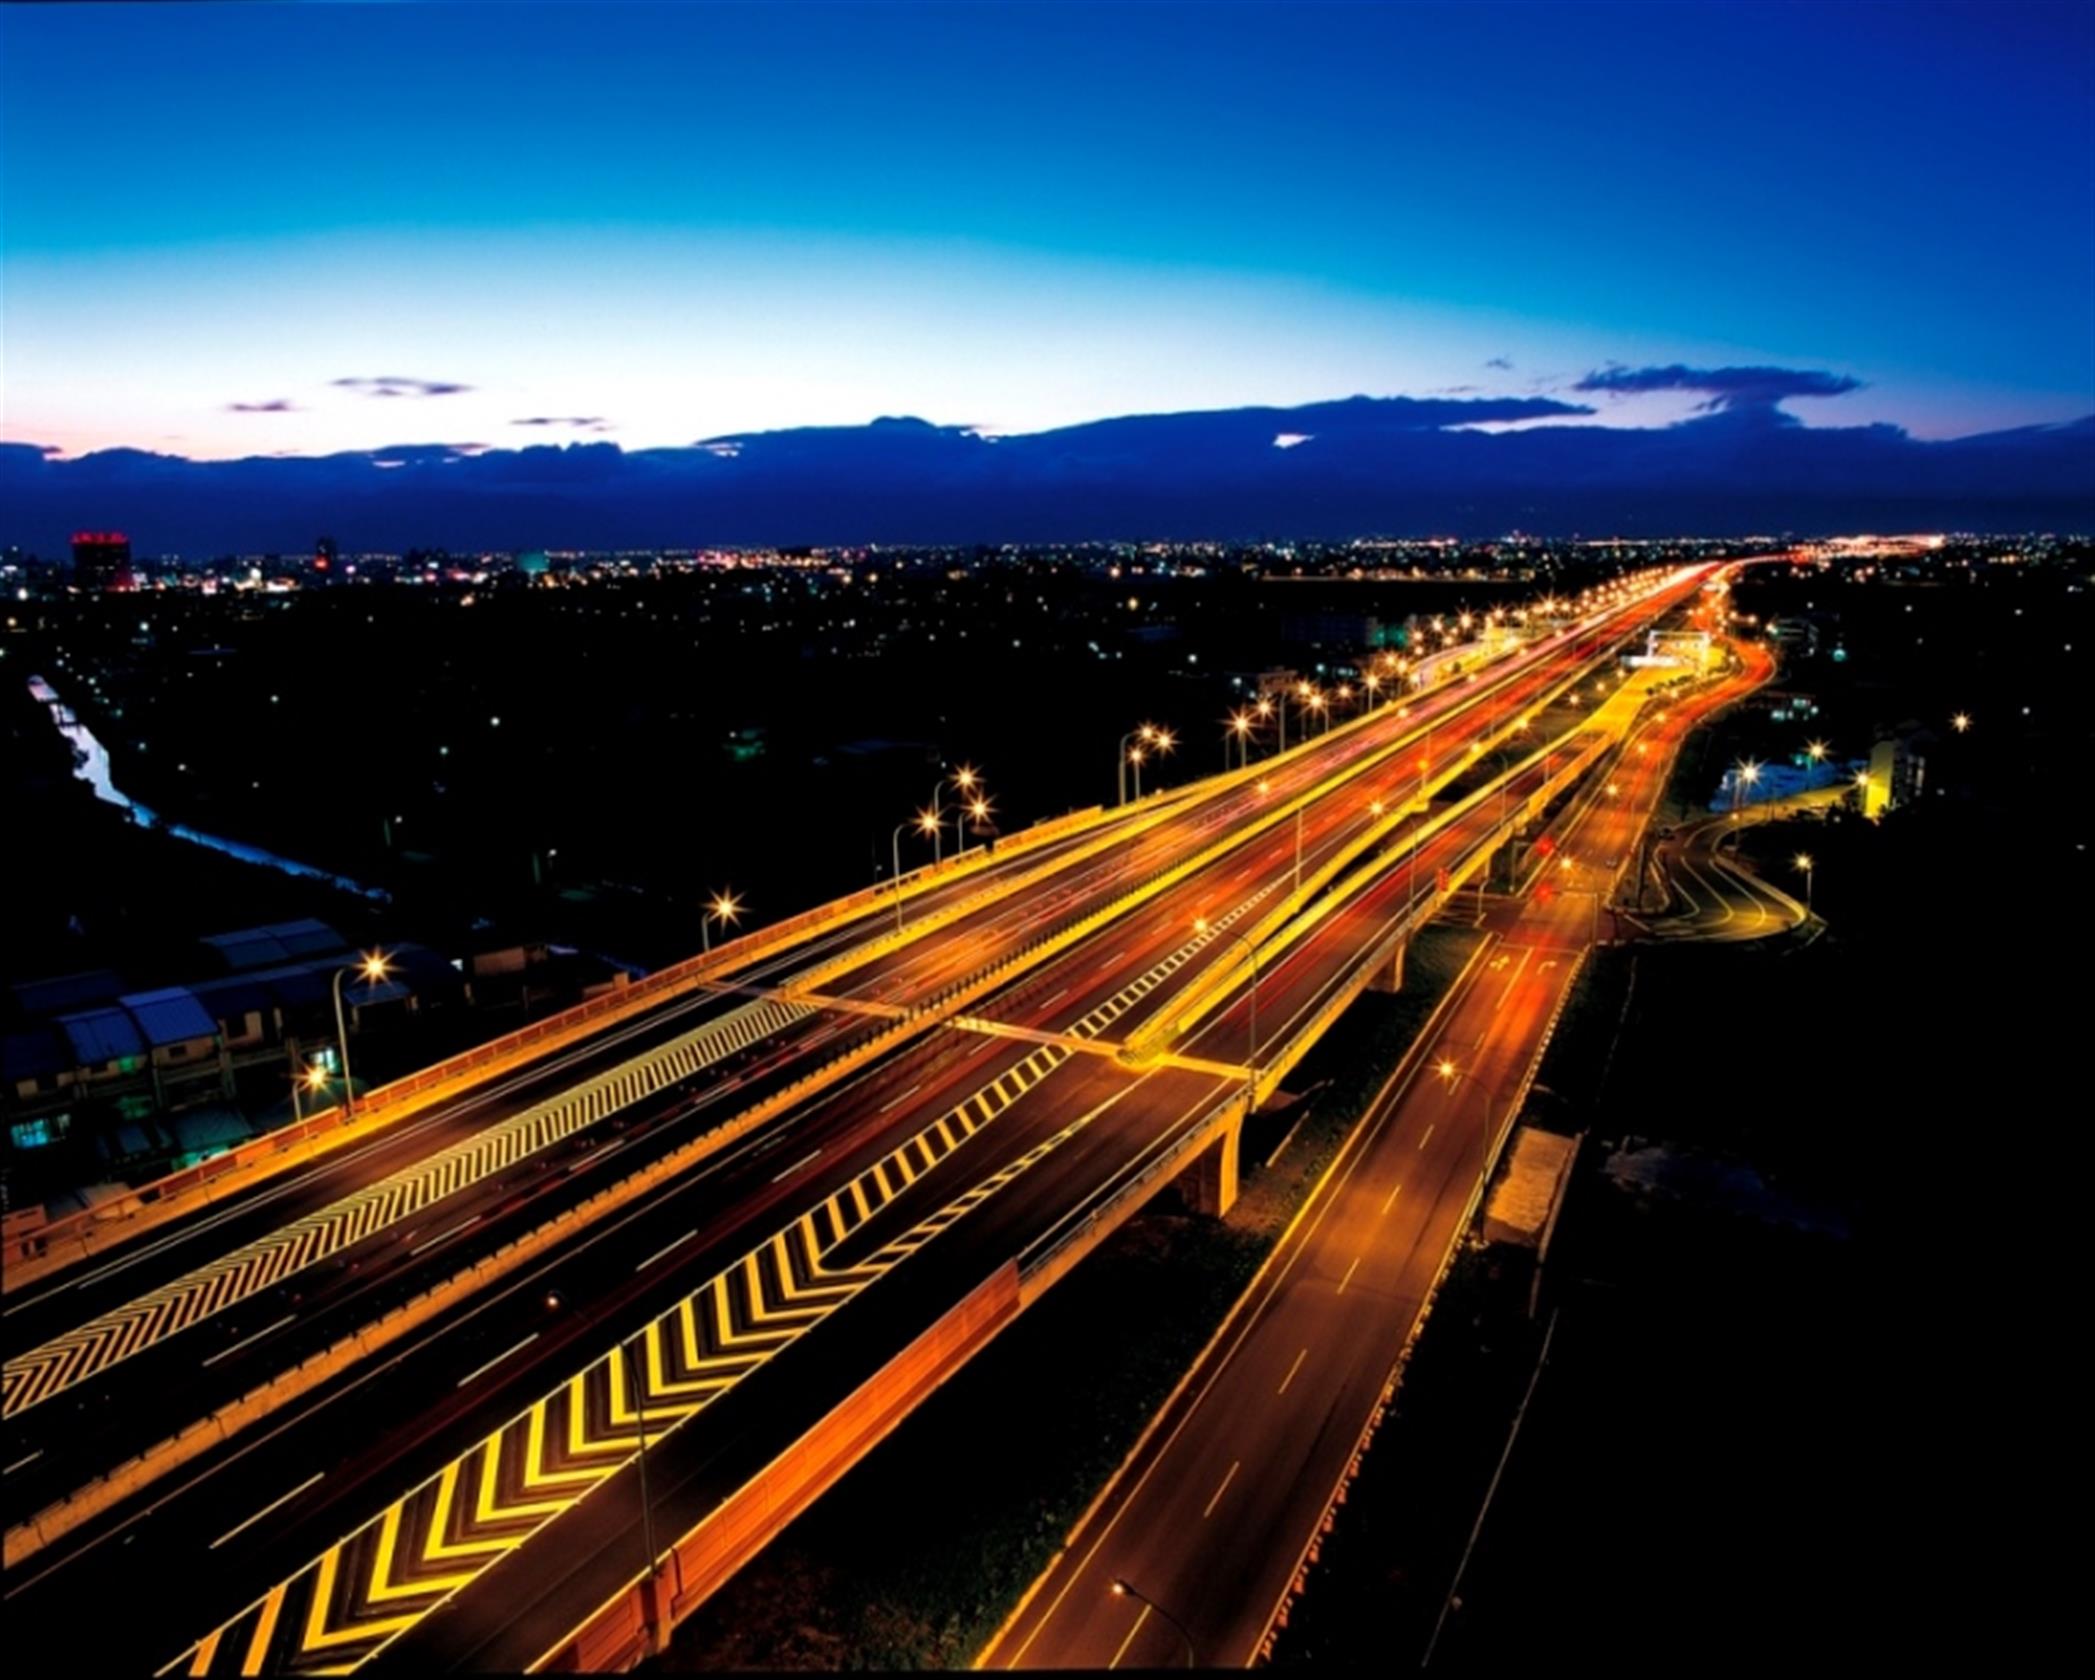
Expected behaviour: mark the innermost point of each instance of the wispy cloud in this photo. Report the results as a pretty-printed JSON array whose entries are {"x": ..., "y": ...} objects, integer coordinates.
[
  {"x": 579, "y": 422},
  {"x": 275, "y": 405},
  {"x": 1725, "y": 387},
  {"x": 392, "y": 385},
  {"x": 1503, "y": 363}
]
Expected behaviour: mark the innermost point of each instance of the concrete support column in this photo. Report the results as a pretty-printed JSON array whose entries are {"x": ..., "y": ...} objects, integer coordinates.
[
  {"x": 1390, "y": 978},
  {"x": 1209, "y": 1183}
]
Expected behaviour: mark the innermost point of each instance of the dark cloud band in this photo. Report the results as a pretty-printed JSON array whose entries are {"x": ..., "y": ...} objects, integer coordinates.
[
  {"x": 1725, "y": 387},
  {"x": 392, "y": 385}
]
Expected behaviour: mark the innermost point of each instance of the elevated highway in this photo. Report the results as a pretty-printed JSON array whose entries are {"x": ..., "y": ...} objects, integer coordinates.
[{"x": 1014, "y": 1074}]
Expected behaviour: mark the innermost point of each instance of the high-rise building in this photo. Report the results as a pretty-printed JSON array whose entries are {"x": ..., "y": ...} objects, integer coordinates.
[{"x": 102, "y": 560}]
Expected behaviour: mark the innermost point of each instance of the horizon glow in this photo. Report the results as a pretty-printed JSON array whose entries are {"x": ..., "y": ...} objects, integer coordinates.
[{"x": 654, "y": 225}]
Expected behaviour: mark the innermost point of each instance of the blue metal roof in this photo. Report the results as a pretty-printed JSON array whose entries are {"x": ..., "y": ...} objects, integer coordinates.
[
  {"x": 34, "y": 1053},
  {"x": 275, "y": 943},
  {"x": 66, "y": 991},
  {"x": 102, "y": 1035},
  {"x": 307, "y": 938},
  {"x": 170, "y": 1016}
]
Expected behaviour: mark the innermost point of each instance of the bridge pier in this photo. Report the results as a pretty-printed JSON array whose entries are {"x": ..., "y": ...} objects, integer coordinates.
[
  {"x": 1209, "y": 1183},
  {"x": 1389, "y": 977}
]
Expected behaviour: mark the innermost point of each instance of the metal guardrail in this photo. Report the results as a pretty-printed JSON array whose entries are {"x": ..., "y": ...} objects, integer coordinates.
[
  {"x": 386, "y": 1104},
  {"x": 105, "y": 1341}
]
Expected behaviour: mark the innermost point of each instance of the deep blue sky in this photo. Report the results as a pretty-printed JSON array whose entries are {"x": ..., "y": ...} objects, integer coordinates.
[{"x": 657, "y": 223}]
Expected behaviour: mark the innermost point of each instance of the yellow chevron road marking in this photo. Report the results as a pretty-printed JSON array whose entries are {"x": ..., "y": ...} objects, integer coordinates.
[
  {"x": 265, "y": 1626},
  {"x": 117, "y": 1335},
  {"x": 463, "y": 1518}
]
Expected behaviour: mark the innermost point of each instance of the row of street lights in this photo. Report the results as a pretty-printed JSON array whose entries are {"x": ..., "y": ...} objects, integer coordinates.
[{"x": 973, "y": 805}]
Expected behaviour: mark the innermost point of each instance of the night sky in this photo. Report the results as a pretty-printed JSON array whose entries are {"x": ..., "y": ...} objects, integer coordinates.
[{"x": 242, "y": 230}]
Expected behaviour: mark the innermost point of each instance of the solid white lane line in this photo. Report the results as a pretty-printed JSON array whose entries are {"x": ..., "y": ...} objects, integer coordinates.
[
  {"x": 1292, "y": 1369},
  {"x": 1226, "y": 1480},
  {"x": 441, "y": 1235},
  {"x": 795, "y": 1167},
  {"x": 256, "y": 1337},
  {"x": 482, "y": 1370},
  {"x": 904, "y": 1097},
  {"x": 1125, "y": 1643},
  {"x": 1348, "y": 1278},
  {"x": 1391, "y": 1197},
  {"x": 652, "y": 1258},
  {"x": 266, "y": 1509},
  {"x": 21, "y": 1463}
]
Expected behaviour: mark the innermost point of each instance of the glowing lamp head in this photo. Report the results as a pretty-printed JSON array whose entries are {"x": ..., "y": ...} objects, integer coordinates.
[
  {"x": 1803, "y": 862},
  {"x": 927, "y": 822},
  {"x": 1445, "y": 1068},
  {"x": 725, "y": 906},
  {"x": 1961, "y": 722},
  {"x": 1200, "y": 924},
  {"x": 374, "y": 966},
  {"x": 315, "y": 1078}
]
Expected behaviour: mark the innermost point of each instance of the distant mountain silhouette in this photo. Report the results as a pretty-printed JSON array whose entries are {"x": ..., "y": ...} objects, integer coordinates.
[{"x": 1392, "y": 465}]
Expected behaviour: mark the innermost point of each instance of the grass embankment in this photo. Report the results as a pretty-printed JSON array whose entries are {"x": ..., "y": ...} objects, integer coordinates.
[{"x": 919, "y": 1554}]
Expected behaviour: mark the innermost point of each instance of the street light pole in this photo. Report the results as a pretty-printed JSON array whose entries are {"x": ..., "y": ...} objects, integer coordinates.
[
  {"x": 1127, "y": 1589},
  {"x": 724, "y": 908},
  {"x": 372, "y": 968},
  {"x": 1451, "y": 1076},
  {"x": 895, "y": 879},
  {"x": 636, "y": 1397},
  {"x": 1201, "y": 925}
]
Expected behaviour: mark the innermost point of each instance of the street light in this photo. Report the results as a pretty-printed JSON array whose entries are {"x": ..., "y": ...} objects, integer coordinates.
[
  {"x": 373, "y": 969},
  {"x": 924, "y": 822},
  {"x": 1802, "y": 861},
  {"x": 636, "y": 1397},
  {"x": 1161, "y": 741},
  {"x": 965, "y": 779},
  {"x": 1265, "y": 710},
  {"x": 1240, "y": 726},
  {"x": 1816, "y": 752},
  {"x": 1961, "y": 722},
  {"x": 1451, "y": 1076},
  {"x": 1147, "y": 733},
  {"x": 1202, "y": 925},
  {"x": 1127, "y": 1589},
  {"x": 724, "y": 909},
  {"x": 314, "y": 1078},
  {"x": 1743, "y": 775}
]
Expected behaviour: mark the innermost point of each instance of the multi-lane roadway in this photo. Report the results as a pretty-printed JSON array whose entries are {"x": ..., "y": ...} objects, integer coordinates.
[{"x": 761, "y": 1285}]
